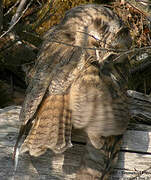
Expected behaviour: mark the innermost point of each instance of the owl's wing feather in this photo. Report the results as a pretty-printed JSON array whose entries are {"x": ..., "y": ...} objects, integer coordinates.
[
  {"x": 52, "y": 70},
  {"x": 51, "y": 128},
  {"x": 54, "y": 73}
]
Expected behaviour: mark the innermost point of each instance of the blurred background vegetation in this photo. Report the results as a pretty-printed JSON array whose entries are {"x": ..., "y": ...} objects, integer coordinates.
[{"x": 20, "y": 40}]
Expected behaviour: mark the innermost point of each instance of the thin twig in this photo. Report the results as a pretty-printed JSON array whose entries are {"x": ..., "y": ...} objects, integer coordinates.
[
  {"x": 46, "y": 16},
  {"x": 124, "y": 52},
  {"x": 10, "y": 9},
  {"x": 132, "y": 51},
  {"x": 141, "y": 12},
  {"x": 84, "y": 47},
  {"x": 18, "y": 11},
  {"x": 140, "y": 173},
  {"x": 33, "y": 35},
  {"x": 12, "y": 26},
  {"x": 98, "y": 40}
]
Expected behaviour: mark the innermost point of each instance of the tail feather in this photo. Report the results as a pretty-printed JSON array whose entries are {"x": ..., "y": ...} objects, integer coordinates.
[{"x": 51, "y": 127}]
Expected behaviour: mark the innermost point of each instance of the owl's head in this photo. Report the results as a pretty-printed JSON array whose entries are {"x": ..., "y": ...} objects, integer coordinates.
[
  {"x": 92, "y": 26},
  {"x": 97, "y": 29},
  {"x": 99, "y": 32},
  {"x": 100, "y": 29}
]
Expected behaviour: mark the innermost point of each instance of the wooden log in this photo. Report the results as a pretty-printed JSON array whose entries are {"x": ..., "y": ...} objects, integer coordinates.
[
  {"x": 134, "y": 158},
  {"x": 140, "y": 106}
]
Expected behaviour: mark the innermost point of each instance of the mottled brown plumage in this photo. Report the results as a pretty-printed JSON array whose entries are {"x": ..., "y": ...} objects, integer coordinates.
[{"x": 76, "y": 82}]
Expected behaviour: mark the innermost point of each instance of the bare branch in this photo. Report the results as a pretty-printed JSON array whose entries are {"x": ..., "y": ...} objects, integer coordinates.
[
  {"x": 139, "y": 10},
  {"x": 10, "y": 9},
  {"x": 12, "y": 26},
  {"x": 140, "y": 173},
  {"x": 46, "y": 16},
  {"x": 132, "y": 51},
  {"x": 98, "y": 40},
  {"x": 18, "y": 11},
  {"x": 85, "y": 47}
]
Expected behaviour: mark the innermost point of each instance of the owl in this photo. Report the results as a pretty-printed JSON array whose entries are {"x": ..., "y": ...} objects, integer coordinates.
[{"x": 78, "y": 81}]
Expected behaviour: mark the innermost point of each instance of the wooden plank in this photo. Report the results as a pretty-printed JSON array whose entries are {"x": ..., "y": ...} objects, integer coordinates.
[
  {"x": 48, "y": 166},
  {"x": 137, "y": 141},
  {"x": 133, "y": 166},
  {"x": 140, "y": 106}
]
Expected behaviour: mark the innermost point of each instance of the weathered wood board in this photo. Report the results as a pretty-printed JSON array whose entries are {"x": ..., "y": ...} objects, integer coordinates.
[{"x": 134, "y": 158}]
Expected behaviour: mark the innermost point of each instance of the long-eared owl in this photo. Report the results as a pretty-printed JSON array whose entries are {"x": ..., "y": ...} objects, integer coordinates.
[{"x": 78, "y": 81}]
